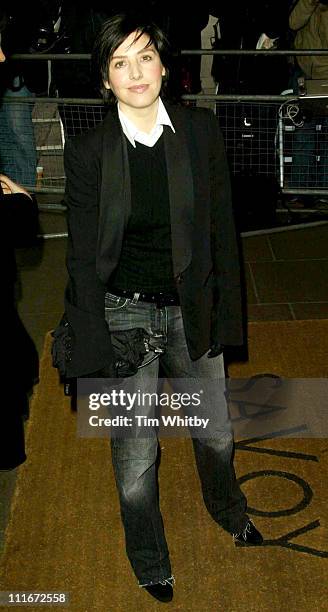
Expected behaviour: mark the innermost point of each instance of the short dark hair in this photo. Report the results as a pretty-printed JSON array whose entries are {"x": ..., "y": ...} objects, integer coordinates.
[{"x": 113, "y": 33}]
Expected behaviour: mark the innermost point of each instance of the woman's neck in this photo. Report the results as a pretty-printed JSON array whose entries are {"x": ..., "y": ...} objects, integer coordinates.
[{"x": 143, "y": 118}]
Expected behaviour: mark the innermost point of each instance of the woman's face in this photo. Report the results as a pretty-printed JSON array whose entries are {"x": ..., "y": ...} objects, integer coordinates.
[{"x": 135, "y": 74}]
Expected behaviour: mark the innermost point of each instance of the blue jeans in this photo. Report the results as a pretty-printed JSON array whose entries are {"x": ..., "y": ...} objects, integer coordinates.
[
  {"x": 134, "y": 459},
  {"x": 18, "y": 158},
  {"x": 309, "y": 149},
  {"x": 310, "y": 155}
]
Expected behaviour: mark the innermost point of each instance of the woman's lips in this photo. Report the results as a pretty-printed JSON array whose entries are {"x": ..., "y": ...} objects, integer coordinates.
[{"x": 138, "y": 88}]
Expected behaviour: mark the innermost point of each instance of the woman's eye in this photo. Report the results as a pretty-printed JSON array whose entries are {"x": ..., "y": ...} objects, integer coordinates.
[
  {"x": 146, "y": 58},
  {"x": 120, "y": 64}
]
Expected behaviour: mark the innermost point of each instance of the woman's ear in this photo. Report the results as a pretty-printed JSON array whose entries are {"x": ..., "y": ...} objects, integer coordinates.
[
  {"x": 106, "y": 84},
  {"x": 163, "y": 72}
]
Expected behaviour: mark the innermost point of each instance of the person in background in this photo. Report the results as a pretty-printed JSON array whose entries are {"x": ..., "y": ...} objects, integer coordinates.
[
  {"x": 78, "y": 27},
  {"x": 19, "y": 223},
  {"x": 18, "y": 156},
  {"x": 152, "y": 246},
  {"x": 251, "y": 25},
  {"x": 183, "y": 29},
  {"x": 309, "y": 22}
]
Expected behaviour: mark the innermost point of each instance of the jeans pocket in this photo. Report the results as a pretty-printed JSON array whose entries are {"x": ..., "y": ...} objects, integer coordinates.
[{"x": 115, "y": 302}]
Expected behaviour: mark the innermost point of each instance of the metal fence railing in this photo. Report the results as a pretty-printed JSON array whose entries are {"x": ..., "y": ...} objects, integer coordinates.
[
  {"x": 264, "y": 135},
  {"x": 260, "y": 137}
]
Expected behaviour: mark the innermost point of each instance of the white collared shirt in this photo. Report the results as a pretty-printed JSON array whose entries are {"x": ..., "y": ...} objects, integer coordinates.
[{"x": 134, "y": 135}]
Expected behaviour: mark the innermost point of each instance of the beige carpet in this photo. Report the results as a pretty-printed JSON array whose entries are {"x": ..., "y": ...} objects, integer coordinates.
[{"x": 65, "y": 532}]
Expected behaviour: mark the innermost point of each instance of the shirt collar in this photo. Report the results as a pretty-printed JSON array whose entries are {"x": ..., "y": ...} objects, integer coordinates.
[{"x": 133, "y": 134}]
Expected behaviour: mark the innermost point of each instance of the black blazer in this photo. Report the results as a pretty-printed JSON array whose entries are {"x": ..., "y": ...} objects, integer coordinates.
[{"x": 204, "y": 249}]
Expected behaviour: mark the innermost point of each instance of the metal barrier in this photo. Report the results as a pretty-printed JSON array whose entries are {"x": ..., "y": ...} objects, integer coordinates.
[
  {"x": 261, "y": 137},
  {"x": 264, "y": 135}
]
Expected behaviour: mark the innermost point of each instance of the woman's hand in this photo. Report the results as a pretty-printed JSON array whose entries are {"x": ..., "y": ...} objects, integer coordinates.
[{"x": 9, "y": 187}]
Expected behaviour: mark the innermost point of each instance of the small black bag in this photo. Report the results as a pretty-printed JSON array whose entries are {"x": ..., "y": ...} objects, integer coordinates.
[
  {"x": 61, "y": 349},
  {"x": 130, "y": 347}
]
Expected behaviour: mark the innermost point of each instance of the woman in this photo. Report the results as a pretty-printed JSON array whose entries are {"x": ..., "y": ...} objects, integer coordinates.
[{"x": 152, "y": 247}]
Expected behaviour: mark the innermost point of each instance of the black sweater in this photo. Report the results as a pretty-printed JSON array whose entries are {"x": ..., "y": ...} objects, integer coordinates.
[{"x": 146, "y": 258}]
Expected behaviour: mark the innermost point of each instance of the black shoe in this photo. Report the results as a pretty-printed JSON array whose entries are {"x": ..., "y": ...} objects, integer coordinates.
[
  {"x": 163, "y": 591},
  {"x": 249, "y": 536}
]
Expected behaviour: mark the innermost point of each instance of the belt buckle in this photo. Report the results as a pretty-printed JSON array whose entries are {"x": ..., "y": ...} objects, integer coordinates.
[
  {"x": 135, "y": 298},
  {"x": 167, "y": 300}
]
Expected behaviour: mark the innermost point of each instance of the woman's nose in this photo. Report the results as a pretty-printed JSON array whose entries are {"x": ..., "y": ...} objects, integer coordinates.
[{"x": 135, "y": 71}]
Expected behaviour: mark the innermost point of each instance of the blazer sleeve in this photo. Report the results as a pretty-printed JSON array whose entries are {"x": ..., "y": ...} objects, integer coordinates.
[
  {"x": 227, "y": 320},
  {"x": 85, "y": 293}
]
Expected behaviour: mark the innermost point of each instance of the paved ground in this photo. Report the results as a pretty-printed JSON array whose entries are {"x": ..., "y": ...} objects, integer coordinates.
[{"x": 286, "y": 275}]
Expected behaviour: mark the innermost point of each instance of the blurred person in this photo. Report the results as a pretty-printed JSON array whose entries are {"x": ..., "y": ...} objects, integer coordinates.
[
  {"x": 309, "y": 22},
  {"x": 18, "y": 210},
  {"x": 183, "y": 28},
  {"x": 251, "y": 25},
  {"x": 249, "y": 127},
  {"x": 30, "y": 29},
  {"x": 152, "y": 247},
  {"x": 78, "y": 27},
  {"x": 19, "y": 79}
]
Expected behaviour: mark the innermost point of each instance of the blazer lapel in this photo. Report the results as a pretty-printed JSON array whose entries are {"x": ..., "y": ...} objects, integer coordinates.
[
  {"x": 115, "y": 197},
  {"x": 180, "y": 192}
]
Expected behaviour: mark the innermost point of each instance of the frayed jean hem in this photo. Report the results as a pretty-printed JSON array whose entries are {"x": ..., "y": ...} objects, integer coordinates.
[{"x": 170, "y": 580}]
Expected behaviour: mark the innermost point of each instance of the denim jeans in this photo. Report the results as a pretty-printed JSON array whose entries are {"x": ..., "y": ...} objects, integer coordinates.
[
  {"x": 134, "y": 459},
  {"x": 309, "y": 149},
  {"x": 18, "y": 157},
  {"x": 310, "y": 154}
]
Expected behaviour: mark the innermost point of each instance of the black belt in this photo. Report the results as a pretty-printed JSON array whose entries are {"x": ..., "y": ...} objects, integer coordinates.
[{"x": 157, "y": 297}]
